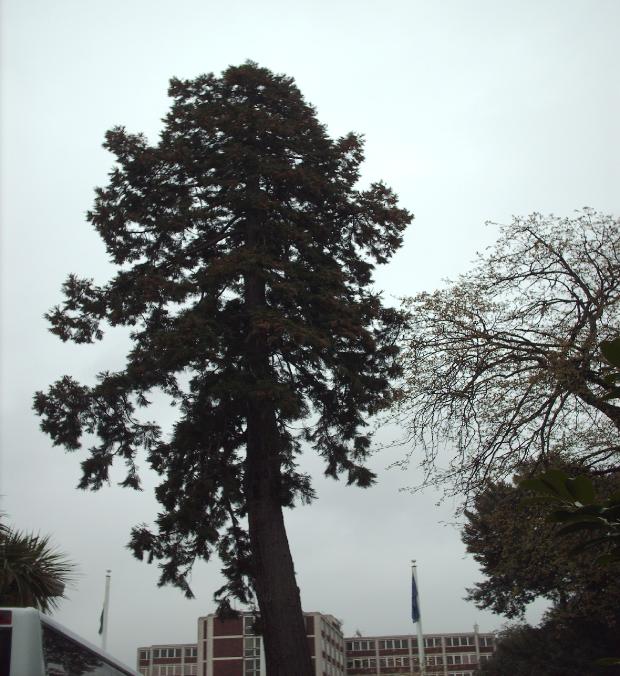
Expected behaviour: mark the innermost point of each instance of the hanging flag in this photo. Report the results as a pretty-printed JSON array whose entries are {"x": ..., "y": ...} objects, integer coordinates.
[
  {"x": 415, "y": 607},
  {"x": 103, "y": 619}
]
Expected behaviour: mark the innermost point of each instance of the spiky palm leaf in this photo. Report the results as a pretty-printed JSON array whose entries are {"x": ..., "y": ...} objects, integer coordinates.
[{"x": 32, "y": 572}]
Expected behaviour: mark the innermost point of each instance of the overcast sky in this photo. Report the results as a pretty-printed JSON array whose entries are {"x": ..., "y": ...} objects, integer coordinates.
[{"x": 472, "y": 110}]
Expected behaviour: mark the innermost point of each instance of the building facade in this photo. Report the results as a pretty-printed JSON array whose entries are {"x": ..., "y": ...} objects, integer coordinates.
[
  {"x": 445, "y": 654},
  {"x": 178, "y": 659},
  {"x": 233, "y": 648}
]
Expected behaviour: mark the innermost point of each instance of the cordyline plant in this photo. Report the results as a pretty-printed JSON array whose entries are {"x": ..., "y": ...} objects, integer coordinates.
[
  {"x": 33, "y": 573},
  {"x": 245, "y": 255}
]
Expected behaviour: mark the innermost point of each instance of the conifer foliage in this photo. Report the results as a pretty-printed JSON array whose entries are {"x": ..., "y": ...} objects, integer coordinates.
[{"x": 245, "y": 255}]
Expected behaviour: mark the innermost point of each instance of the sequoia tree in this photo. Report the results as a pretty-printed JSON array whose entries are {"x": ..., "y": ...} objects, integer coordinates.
[
  {"x": 503, "y": 364},
  {"x": 245, "y": 255}
]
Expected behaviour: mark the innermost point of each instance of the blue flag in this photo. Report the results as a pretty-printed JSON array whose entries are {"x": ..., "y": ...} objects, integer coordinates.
[{"x": 415, "y": 608}]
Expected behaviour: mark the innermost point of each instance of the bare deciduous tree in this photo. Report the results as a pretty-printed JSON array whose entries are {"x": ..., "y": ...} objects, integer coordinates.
[{"x": 503, "y": 364}]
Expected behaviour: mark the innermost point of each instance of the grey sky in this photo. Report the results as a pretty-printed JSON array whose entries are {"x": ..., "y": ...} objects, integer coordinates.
[{"x": 472, "y": 111}]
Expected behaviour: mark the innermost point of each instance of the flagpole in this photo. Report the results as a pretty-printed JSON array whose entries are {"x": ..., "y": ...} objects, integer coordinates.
[
  {"x": 106, "y": 605},
  {"x": 418, "y": 620}
]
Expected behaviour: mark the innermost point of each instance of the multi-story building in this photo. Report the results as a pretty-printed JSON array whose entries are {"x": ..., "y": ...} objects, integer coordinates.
[
  {"x": 233, "y": 648},
  {"x": 445, "y": 654},
  {"x": 168, "y": 659}
]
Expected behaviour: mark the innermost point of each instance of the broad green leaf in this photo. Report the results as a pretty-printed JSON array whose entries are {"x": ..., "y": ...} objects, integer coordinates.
[
  {"x": 590, "y": 544},
  {"x": 570, "y": 516},
  {"x": 611, "y": 351},
  {"x": 613, "y": 394},
  {"x": 556, "y": 479},
  {"x": 579, "y": 527},
  {"x": 538, "y": 486},
  {"x": 541, "y": 500},
  {"x": 581, "y": 489}
]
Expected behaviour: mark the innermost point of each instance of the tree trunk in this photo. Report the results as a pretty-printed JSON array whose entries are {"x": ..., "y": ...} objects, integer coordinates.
[
  {"x": 286, "y": 647},
  {"x": 284, "y": 632}
]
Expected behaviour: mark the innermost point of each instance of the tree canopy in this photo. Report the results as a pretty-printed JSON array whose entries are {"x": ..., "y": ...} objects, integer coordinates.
[
  {"x": 502, "y": 365},
  {"x": 245, "y": 255},
  {"x": 524, "y": 557},
  {"x": 552, "y": 650}
]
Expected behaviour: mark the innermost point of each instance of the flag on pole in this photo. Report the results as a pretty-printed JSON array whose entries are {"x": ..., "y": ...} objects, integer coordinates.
[
  {"x": 103, "y": 620},
  {"x": 415, "y": 607}
]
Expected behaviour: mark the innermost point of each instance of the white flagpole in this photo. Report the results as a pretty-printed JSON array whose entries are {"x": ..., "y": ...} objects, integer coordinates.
[
  {"x": 106, "y": 606},
  {"x": 421, "y": 655}
]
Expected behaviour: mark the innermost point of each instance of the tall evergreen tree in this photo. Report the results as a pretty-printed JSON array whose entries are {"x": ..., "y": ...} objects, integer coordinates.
[{"x": 245, "y": 255}]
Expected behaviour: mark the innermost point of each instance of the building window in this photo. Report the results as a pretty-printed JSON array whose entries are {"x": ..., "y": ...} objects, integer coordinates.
[
  {"x": 191, "y": 651},
  {"x": 394, "y": 661},
  {"x": 251, "y": 667},
  {"x": 468, "y": 658},
  {"x": 362, "y": 663},
  {"x": 251, "y": 646},
  {"x": 453, "y": 641},
  {"x": 360, "y": 645},
  {"x": 248, "y": 625},
  {"x": 432, "y": 642},
  {"x": 394, "y": 644}
]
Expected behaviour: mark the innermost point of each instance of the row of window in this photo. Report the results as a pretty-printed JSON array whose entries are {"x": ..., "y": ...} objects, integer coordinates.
[
  {"x": 362, "y": 663},
  {"x": 468, "y": 658},
  {"x": 394, "y": 662},
  {"x": 429, "y": 642},
  {"x": 455, "y": 641},
  {"x": 395, "y": 644},
  {"x": 371, "y": 662},
  {"x": 403, "y": 661},
  {"x": 354, "y": 646},
  {"x": 432, "y": 642},
  {"x": 190, "y": 651},
  {"x": 170, "y": 670}
]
